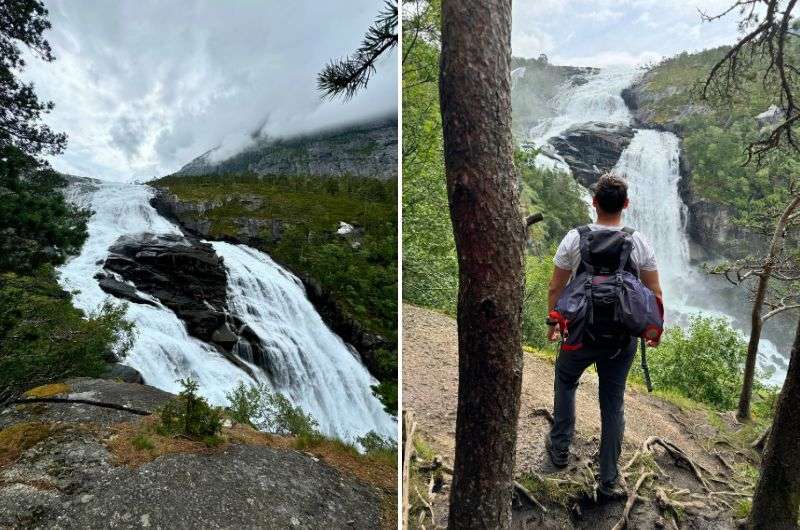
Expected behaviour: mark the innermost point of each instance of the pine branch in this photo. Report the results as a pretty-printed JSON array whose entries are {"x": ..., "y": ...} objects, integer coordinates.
[{"x": 346, "y": 77}]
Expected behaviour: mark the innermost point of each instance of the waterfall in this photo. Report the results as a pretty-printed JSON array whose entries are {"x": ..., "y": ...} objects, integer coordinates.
[
  {"x": 650, "y": 164},
  {"x": 311, "y": 366}
]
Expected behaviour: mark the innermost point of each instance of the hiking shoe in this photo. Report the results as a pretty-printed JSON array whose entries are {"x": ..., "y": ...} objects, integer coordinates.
[
  {"x": 559, "y": 457},
  {"x": 611, "y": 491}
]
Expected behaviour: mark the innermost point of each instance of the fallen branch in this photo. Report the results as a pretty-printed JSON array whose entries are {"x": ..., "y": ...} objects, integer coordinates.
[
  {"x": 633, "y": 496},
  {"x": 91, "y": 402}
]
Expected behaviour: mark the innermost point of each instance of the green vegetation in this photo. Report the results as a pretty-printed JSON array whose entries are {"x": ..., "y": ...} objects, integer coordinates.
[
  {"x": 143, "y": 442},
  {"x": 190, "y": 415},
  {"x": 272, "y": 412},
  {"x": 703, "y": 362},
  {"x": 360, "y": 272},
  {"x": 44, "y": 339},
  {"x": 715, "y": 133}
]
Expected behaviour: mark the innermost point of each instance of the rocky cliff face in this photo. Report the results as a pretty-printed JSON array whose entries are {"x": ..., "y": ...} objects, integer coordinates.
[
  {"x": 591, "y": 149},
  {"x": 365, "y": 150},
  {"x": 712, "y": 233}
]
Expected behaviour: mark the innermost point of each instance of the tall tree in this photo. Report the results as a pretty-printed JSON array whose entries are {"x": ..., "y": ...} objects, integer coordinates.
[
  {"x": 345, "y": 77},
  {"x": 23, "y": 22},
  {"x": 482, "y": 187}
]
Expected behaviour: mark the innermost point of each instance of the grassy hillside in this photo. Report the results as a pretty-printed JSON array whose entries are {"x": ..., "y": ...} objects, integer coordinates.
[{"x": 359, "y": 271}]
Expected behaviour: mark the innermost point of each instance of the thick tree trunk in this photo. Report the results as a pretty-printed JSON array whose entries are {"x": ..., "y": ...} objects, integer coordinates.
[
  {"x": 777, "y": 497},
  {"x": 757, "y": 322},
  {"x": 475, "y": 93}
]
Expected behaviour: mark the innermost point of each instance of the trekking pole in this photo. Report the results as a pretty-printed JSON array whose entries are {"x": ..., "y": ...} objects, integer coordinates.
[{"x": 645, "y": 370}]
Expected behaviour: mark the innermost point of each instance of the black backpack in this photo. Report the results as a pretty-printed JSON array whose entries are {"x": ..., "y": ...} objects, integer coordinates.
[{"x": 605, "y": 302}]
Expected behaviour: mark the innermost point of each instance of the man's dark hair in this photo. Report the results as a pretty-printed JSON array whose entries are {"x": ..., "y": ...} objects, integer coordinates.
[{"x": 611, "y": 192}]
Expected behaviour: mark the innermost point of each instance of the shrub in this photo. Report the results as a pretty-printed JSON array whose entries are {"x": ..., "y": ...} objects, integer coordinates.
[
  {"x": 538, "y": 270},
  {"x": 703, "y": 362},
  {"x": 245, "y": 404},
  {"x": 270, "y": 411},
  {"x": 44, "y": 339},
  {"x": 190, "y": 415},
  {"x": 374, "y": 443}
]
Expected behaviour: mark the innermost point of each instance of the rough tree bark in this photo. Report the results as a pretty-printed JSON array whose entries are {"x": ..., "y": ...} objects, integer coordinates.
[
  {"x": 756, "y": 319},
  {"x": 777, "y": 497},
  {"x": 475, "y": 95}
]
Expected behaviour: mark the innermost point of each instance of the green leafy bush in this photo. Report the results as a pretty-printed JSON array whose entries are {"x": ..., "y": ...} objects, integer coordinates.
[
  {"x": 44, "y": 339},
  {"x": 374, "y": 443},
  {"x": 269, "y": 411},
  {"x": 190, "y": 415},
  {"x": 538, "y": 270},
  {"x": 704, "y": 362},
  {"x": 37, "y": 225}
]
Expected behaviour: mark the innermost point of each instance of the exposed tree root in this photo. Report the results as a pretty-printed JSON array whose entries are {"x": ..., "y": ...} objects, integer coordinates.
[
  {"x": 679, "y": 456},
  {"x": 633, "y": 496},
  {"x": 759, "y": 443},
  {"x": 522, "y": 490}
]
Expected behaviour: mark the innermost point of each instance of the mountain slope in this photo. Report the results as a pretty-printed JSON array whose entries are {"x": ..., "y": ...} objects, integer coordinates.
[{"x": 363, "y": 150}]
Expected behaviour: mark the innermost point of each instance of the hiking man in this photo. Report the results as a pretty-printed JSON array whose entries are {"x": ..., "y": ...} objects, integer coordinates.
[{"x": 598, "y": 247}]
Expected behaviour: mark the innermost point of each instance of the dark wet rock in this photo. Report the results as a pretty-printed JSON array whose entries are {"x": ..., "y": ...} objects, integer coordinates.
[
  {"x": 120, "y": 372},
  {"x": 122, "y": 290},
  {"x": 591, "y": 149},
  {"x": 184, "y": 274},
  {"x": 71, "y": 480}
]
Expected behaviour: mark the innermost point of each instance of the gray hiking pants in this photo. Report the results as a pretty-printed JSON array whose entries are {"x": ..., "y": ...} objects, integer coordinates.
[{"x": 613, "y": 364}]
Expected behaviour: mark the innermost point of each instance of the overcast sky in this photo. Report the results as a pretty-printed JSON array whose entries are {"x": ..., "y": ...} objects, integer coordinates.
[
  {"x": 613, "y": 32},
  {"x": 141, "y": 87}
]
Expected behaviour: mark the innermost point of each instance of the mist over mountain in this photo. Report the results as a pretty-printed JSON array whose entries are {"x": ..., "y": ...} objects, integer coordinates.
[{"x": 366, "y": 149}]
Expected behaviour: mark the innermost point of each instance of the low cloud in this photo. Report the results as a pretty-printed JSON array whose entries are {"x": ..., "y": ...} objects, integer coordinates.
[{"x": 142, "y": 87}]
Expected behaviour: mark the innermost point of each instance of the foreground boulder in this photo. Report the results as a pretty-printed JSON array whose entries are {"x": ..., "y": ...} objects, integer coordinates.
[
  {"x": 591, "y": 149},
  {"x": 74, "y": 466}
]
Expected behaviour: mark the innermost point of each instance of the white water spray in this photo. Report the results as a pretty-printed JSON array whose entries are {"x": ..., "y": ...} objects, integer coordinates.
[
  {"x": 310, "y": 364},
  {"x": 651, "y": 165}
]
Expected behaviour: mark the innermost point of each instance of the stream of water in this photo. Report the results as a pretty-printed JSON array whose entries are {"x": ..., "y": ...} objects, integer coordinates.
[
  {"x": 651, "y": 165},
  {"x": 310, "y": 365}
]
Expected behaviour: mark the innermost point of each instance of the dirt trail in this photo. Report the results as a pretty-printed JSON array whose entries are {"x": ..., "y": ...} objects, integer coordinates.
[{"x": 430, "y": 382}]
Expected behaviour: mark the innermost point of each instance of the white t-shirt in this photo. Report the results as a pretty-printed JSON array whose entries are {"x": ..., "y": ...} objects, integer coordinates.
[{"x": 568, "y": 255}]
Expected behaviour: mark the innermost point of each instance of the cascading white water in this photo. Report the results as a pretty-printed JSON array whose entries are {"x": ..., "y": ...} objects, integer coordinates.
[
  {"x": 651, "y": 165},
  {"x": 312, "y": 366}
]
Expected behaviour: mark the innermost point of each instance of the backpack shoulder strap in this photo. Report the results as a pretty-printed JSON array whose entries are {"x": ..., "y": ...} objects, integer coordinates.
[
  {"x": 627, "y": 249},
  {"x": 583, "y": 242}
]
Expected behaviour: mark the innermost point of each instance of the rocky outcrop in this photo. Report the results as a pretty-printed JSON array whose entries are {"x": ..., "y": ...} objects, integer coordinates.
[
  {"x": 185, "y": 275},
  {"x": 364, "y": 150},
  {"x": 712, "y": 232},
  {"x": 73, "y": 466},
  {"x": 641, "y": 102},
  {"x": 591, "y": 149}
]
